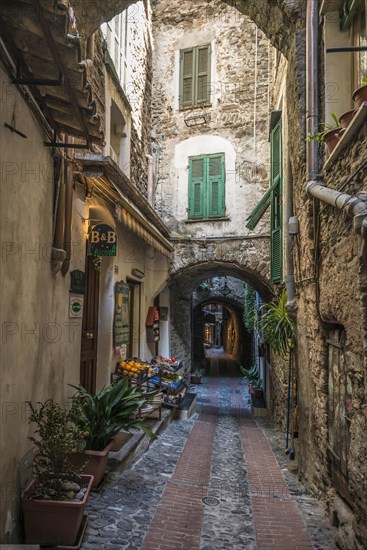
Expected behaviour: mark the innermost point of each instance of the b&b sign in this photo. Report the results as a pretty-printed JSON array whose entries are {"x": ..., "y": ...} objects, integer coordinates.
[{"x": 102, "y": 241}]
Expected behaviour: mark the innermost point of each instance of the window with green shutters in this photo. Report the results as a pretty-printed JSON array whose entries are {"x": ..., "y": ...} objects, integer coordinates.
[
  {"x": 276, "y": 239},
  {"x": 195, "y": 76},
  {"x": 206, "y": 187}
]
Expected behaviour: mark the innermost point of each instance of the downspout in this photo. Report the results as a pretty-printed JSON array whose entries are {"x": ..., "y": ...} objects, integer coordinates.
[
  {"x": 289, "y": 278},
  {"x": 58, "y": 253},
  {"x": 354, "y": 207},
  {"x": 150, "y": 180},
  {"x": 68, "y": 206},
  {"x": 312, "y": 87}
]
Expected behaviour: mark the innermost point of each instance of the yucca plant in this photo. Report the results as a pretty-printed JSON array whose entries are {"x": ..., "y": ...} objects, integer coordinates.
[
  {"x": 278, "y": 327},
  {"x": 251, "y": 375},
  {"x": 103, "y": 415}
]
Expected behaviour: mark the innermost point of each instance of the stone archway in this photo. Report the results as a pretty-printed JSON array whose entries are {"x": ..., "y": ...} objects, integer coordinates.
[{"x": 191, "y": 265}]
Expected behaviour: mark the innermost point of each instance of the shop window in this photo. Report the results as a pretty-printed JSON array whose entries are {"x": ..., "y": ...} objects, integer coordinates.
[
  {"x": 195, "y": 76},
  {"x": 339, "y": 409},
  {"x": 207, "y": 187}
]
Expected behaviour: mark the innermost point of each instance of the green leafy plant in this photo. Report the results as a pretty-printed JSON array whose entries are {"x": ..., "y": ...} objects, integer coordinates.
[
  {"x": 364, "y": 81},
  {"x": 251, "y": 375},
  {"x": 197, "y": 372},
  {"x": 249, "y": 306},
  {"x": 257, "y": 384},
  {"x": 278, "y": 327},
  {"x": 103, "y": 415},
  {"x": 319, "y": 135},
  {"x": 55, "y": 437}
]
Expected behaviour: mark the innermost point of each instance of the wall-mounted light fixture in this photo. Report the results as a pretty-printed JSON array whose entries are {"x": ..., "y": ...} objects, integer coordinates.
[{"x": 225, "y": 290}]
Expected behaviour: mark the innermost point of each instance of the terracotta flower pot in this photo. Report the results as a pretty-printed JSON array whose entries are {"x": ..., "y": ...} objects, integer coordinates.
[
  {"x": 53, "y": 522},
  {"x": 331, "y": 139},
  {"x": 346, "y": 118},
  {"x": 195, "y": 379},
  {"x": 360, "y": 95},
  {"x": 94, "y": 463}
]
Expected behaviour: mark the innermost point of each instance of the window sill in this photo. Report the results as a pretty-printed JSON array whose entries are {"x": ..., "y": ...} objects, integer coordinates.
[
  {"x": 209, "y": 220},
  {"x": 193, "y": 107},
  {"x": 359, "y": 118}
]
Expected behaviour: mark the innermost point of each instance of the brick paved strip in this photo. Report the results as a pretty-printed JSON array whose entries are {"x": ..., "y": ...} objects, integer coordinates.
[
  {"x": 279, "y": 525},
  {"x": 265, "y": 476},
  {"x": 278, "y": 522},
  {"x": 178, "y": 520}
]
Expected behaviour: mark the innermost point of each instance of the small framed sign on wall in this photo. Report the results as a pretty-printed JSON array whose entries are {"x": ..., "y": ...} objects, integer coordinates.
[{"x": 121, "y": 328}]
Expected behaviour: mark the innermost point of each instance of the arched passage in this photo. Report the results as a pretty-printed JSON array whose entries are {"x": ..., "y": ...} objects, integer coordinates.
[{"x": 187, "y": 301}]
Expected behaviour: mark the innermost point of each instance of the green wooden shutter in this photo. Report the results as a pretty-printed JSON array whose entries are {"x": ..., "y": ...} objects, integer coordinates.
[
  {"x": 187, "y": 67},
  {"x": 215, "y": 186},
  {"x": 276, "y": 159},
  {"x": 202, "y": 74},
  {"x": 197, "y": 178}
]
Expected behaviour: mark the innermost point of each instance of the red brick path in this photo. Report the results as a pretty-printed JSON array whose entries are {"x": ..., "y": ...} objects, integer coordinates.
[
  {"x": 278, "y": 522},
  {"x": 179, "y": 517}
]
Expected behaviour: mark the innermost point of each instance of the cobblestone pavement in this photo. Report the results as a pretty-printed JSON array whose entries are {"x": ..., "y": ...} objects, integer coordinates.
[{"x": 194, "y": 487}]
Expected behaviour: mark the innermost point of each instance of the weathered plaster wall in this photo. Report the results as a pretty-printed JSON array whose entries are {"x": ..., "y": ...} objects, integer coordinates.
[{"x": 40, "y": 344}]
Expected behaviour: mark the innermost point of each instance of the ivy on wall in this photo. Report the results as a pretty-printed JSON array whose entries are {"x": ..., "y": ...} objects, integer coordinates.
[{"x": 249, "y": 306}]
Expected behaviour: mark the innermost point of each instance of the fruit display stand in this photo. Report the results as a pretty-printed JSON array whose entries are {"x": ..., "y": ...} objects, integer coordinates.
[
  {"x": 173, "y": 379},
  {"x": 140, "y": 374}
]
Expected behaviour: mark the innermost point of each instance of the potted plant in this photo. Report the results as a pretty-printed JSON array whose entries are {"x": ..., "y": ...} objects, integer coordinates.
[
  {"x": 258, "y": 388},
  {"x": 53, "y": 503},
  {"x": 346, "y": 118},
  {"x": 360, "y": 94},
  {"x": 250, "y": 375},
  {"x": 196, "y": 376},
  {"x": 329, "y": 133},
  {"x": 100, "y": 418},
  {"x": 278, "y": 327}
]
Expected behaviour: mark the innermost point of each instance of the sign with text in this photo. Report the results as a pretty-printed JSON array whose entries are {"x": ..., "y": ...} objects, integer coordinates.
[
  {"x": 102, "y": 240},
  {"x": 77, "y": 284},
  {"x": 121, "y": 329}
]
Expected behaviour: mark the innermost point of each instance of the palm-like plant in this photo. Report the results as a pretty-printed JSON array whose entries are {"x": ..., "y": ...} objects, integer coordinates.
[
  {"x": 278, "y": 327},
  {"x": 103, "y": 415},
  {"x": 251, "y": 375}
]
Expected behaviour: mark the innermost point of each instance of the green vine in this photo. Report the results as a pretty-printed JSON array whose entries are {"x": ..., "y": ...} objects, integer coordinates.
[{"x": 249, "y": 307}]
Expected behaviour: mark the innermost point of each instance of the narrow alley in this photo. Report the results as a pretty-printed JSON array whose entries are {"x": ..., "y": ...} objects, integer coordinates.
[
  {"x": 217, "y": 481},
  {"x": 183, "y": 233}
]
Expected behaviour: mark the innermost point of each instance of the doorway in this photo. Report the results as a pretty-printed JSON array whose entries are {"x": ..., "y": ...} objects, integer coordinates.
[{"x": 89, "y": 343}]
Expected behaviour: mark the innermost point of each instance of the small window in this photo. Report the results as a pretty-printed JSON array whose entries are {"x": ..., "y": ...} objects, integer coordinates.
[
  {"x": 206, "y": 187},
  {"x": 195, "y": 76}
]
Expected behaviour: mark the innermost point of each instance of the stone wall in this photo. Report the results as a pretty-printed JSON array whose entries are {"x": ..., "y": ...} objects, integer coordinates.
[
  {"x": 139, "y": 91},
  {"x": 236, "y": 118}
]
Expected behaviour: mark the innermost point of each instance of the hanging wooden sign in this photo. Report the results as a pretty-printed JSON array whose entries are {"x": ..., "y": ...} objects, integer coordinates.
[{"x": 102, "y": 241}]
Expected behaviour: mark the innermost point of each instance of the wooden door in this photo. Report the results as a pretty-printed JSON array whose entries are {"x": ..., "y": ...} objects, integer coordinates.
[{"x": 88, "y": 356}]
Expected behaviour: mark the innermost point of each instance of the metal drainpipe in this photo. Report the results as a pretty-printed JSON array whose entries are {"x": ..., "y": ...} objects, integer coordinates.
[
  {"x": 150, "y": 180},
  {"x": 289, "y": 279},
  {"x": 68, "y": 206},
  {"x": 312, "y": 86}
]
